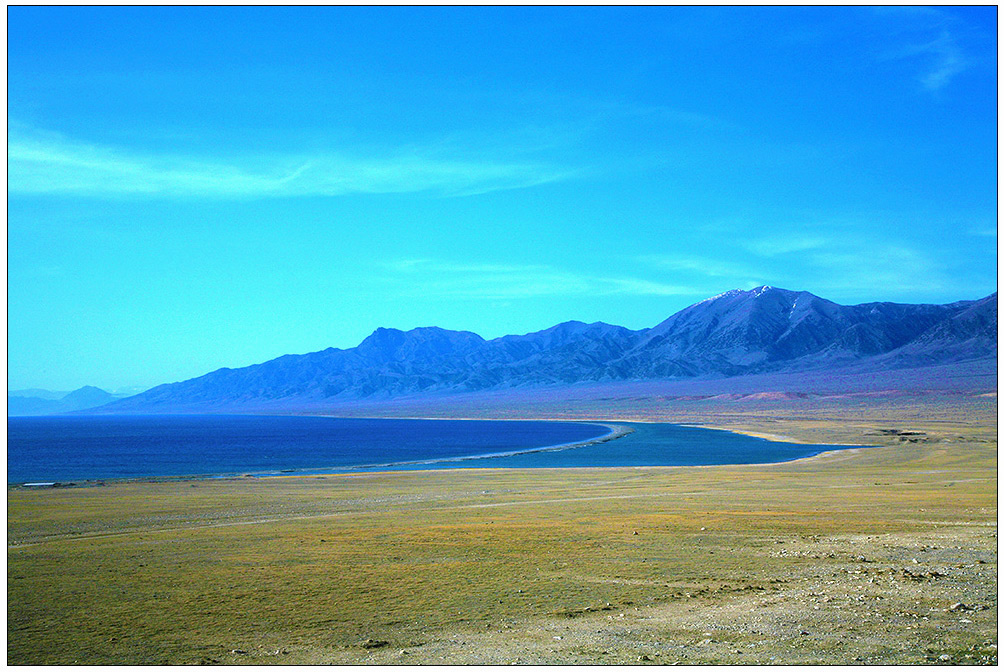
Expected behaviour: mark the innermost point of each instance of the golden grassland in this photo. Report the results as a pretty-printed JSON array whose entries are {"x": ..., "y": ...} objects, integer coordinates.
[{"x": 885, "y": 554}]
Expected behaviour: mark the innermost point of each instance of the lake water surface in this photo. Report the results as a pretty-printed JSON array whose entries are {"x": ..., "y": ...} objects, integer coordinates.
[{"x": 105, "y": 447}]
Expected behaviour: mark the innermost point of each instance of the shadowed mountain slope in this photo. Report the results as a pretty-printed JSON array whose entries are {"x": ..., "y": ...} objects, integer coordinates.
[{"x": 763, "y": 330}]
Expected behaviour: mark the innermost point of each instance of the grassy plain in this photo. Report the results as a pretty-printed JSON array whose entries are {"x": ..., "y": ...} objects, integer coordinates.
[{"x": 885, "y": 554}]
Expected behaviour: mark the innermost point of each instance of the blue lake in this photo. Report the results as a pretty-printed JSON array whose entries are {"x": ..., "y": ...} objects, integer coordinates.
[{"x": 106, "y": 447}]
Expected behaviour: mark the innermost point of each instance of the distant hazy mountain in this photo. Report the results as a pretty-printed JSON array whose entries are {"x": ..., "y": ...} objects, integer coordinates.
[
  {"x": 736, "y": 333},
  {"x": 19, "y": 403},
  {"x": 37, "y": 393}
]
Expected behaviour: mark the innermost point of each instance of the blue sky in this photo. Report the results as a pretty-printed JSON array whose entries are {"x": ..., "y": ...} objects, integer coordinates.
[{"x": 191, "y": 188}]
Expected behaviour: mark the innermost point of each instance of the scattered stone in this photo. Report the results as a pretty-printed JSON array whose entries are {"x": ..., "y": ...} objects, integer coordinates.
[
  {"x": 944, "y": 657},
  {"x": 239, "y": 652},
  {"x": 373, "y": 643},
  {"x": 958, "y": 606},
  {"x": 643, "y": 657}
]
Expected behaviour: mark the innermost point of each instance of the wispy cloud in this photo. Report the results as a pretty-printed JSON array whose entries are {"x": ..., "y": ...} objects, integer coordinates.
[
  {"x": 47, "y": 163},
  {"x": 939, "y": 41},
  {"x": 784, "y": 244},
  {"x": 636, "y": 287},
  {"x": 848, "y": 265},
  {"x": 698, "y": 265},
  {"x": 853, "y": 264},
  {"x": 984, "y": 232},
  {"x": 427, "y": 277},
  {"x": 946, "y": 61},
  {"x": 880, "y": 270}
]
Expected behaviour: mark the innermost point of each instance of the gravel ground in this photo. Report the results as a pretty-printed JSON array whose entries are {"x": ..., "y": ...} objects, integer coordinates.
[{"x": 888, "y": 599}]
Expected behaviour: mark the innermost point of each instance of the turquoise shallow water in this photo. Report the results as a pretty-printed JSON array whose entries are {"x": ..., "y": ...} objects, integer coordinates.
[
  {"x": 106, "y": 447},
  {"x": 650, "y": 445}
]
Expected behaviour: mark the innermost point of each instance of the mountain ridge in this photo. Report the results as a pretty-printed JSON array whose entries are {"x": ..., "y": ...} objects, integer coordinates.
[{"x": 739, "y": 332}]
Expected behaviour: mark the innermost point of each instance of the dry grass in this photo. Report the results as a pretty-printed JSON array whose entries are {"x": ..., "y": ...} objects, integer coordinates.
[{"x": 705, "y": 564}]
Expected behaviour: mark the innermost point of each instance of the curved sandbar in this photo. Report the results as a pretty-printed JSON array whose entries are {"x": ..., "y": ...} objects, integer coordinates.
[
  {"x": 847, "y": 449},
  {"x": 616, "y": 432},
  {"x": 663, "y": 445}
]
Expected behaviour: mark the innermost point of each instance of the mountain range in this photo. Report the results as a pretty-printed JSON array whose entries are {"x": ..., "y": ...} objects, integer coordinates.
[
  {"x": 738, "y": 333},
  {"x": 45, "y": 402}
]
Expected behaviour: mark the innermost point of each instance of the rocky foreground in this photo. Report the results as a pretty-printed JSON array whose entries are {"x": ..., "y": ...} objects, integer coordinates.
[{"x": 866, "y": 599}]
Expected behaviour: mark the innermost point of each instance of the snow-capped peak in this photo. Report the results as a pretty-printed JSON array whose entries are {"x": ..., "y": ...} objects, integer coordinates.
[{"x": 731, "y": 292}]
